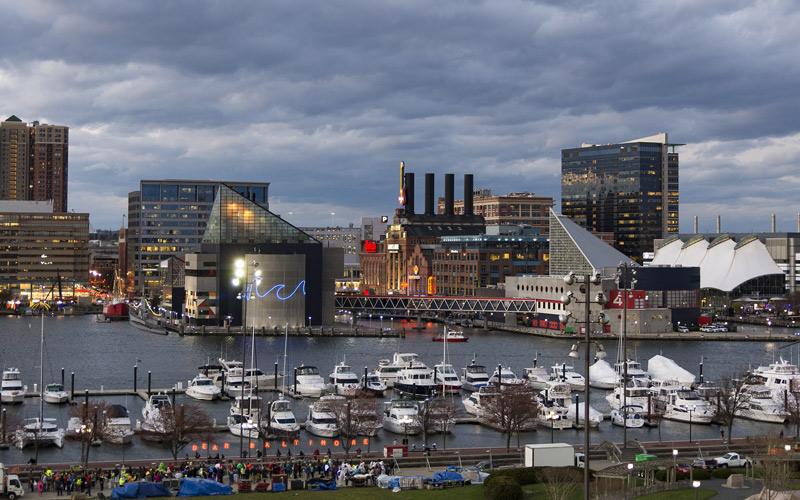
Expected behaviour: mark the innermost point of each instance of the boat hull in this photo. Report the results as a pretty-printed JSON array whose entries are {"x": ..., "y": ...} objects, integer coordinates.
[
  {"x": 202, "y": 395},
  {"x": 12, "y": 397},
  {"x": 400, "y": 428}
]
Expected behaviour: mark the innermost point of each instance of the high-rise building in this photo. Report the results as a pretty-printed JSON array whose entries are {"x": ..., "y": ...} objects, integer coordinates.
[
  {"x": 628, "y": 189},
  {"x": 168, "y": 218},
  {"x": 34, "y": 162}
]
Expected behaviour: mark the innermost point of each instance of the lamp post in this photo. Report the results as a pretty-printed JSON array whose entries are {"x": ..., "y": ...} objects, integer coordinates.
[
  {"x": 696, "y": 486},
  {"x": 675, "y": 465},
  {"x": 552, "y": 417},
  {"x": 691, "y": 410},
  {"x": 630, "y": 479},
  {"x": 622, "y": 274},
  {"x": 566, "y": 299}
]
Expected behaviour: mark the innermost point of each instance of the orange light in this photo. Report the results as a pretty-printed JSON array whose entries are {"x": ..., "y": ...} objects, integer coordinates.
[
  {"x": 366, "y": 441},
  {"x": 214, "y": 448},
  {"x": 283, "y": 444},
  {"x": 194, "y": 447},
  {"x": 252, "y": 445},
  {"x": 323, "y": 443},
  {"x": 310, "y": 442},
  {"x": 352, "y": 442},
  {"x": 266, "y": 445},
  {"x": 226, "y": 446},
  {"x": 336, "y": 443},
  {"x": 296, "y": 442},
  {"x": 204, "y": 446}
]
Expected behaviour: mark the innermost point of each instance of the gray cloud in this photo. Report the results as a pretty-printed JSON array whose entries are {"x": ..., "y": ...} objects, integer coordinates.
[{"x": 324, "y": 100}]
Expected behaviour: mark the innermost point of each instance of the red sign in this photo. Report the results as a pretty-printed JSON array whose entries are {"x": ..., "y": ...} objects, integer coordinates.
[
  {"x": 370, "y": 247},
  {"x": 636, "y": 299}
]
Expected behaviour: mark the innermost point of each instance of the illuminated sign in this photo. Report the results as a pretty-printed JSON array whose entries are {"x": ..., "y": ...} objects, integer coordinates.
[
  {"x": 370, "y": 247},
  {"x": 384, "y": 218},
  {"x": 278, "y": 288}
]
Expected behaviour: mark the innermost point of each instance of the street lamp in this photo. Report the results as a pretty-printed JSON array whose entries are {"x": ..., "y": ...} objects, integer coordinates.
[
  {"x": 566, "y": 299},
  {"x": 552, "y": 418},
  {"x": 622, "y": 279},
  {"x": 696, "y": 486},
  {"x": 675, "y": 465},
  {"x": 630, "y": 476}
]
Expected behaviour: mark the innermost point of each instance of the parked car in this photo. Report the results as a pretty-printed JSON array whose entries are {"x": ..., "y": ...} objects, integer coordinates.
[
  {"x": 683, "y": 329},
  {"x": 731, "y": 460},
  {"x": 481, "y": 466},
  {"x": 708, "y": 464},
  {"x": 683, "y": 468}
]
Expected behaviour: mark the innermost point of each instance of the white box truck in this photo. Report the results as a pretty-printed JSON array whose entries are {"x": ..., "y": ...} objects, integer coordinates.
[
  {"x": 12, "y": 486},
  {"x": 549, "y": 455}
]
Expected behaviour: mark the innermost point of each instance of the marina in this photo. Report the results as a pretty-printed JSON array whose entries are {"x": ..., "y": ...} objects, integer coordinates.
[{"x": 104, "y": 357}]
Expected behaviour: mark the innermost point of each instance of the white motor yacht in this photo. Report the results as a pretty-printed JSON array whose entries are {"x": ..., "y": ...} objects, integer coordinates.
[
  {"x": 54, "y": 394},
  {"x": 554, "y": 417},
  {"x": 45, "y": 432},
  {"x": 416, "y": 380},
  {"x": 567, "y": 373},
  {"x": 321, "y": 420},
  {"x": 401, "y": 416},
  {"x": 248, "y": 426},
  {"x": 203, "y": 388},
  {"x": 557, "y": 393},
  {"x": 236, "y": 385},
  {"x": 388, "y": 369},
  {"x": 371, "y": 382},
  {"x": 281, "y": 418},
  {"x": 308, "y": 382},
  {"x": 780, "y": 377},
  {"x": 634, "y": 369},
  {"x": 248, "y": 404},
  {"x": 475, "y": 402},
  {"x": 628, "y": 416},
  {"x": 152, "y": 412},
  {"x": 118, "y": 425},
  {"x": 682, "y": 404},
  {"x": 474, "y": 376},
  {"x": 760, "y": 405},
  {"x": 504, "y": 377},
  {"x": 536, "y": 376},
  {"x": 343, "y": 380},
  {"x": 636, "y": 393},
  {"x": 11, "y": 388},
  {"x": 447, "y": 380}
]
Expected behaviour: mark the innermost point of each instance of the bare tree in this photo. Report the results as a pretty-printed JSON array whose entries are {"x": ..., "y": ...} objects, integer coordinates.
[
  {"x": 89, "y": 426},
  {"x": 512, "y": 410},
  {"x": 776, "y": 471},
  {"x": 731, "y": 399},
  {"x": 176, "y": 427},
  {"x": 355, "y": 417},
  {"x": 437, "y": 415},
  {"x": 561, "y": 482}
]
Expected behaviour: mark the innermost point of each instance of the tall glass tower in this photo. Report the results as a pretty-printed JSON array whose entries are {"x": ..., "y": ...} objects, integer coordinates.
[{"x": 629, "y": 190}]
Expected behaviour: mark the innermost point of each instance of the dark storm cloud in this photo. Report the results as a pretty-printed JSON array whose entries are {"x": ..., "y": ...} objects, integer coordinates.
[{"x": 325, "y": 99}]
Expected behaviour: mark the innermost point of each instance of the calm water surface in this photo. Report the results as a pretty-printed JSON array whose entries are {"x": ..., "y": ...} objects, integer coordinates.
[{"x": 102, "y": 355}]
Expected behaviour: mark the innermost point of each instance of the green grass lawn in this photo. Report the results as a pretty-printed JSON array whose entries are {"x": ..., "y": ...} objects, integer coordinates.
[
  {"x": 473, "y": 492},
  {"x": 682, "y": 494}
]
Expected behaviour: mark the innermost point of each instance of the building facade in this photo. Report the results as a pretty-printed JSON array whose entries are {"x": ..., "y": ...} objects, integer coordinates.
[
  {"x": 41, "y": 250},
  {"x": 168, "y": 218},
  {"x": 34, "y": 160},
  {"x": 515, "y": 209},
  {"x": 629, "y": 189}
]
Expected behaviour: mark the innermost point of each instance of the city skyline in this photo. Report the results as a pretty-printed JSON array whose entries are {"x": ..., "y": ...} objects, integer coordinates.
[{"x": 324, "y": 103}]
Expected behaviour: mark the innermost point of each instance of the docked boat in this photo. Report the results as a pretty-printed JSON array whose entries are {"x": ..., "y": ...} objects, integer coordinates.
[
  {"x": 140, "y": 318},
  {"x": 203, "y": 388},
  {"x": 321, "y": 420},
  {"x": 554, "y": 417},
  {"x": 372, "y": 383},
  {"x": 247, "y": 404},
  {"x": 249, "y": 426},
  {"x": 557, "y": 393},
  {"x": 388, "y": 369},
  {"x": 439, "y": 413},
  {"x": 595, "y": 417},
  {"x": 602, "y": 375},
  {"x": 628, "y": 416},
  {"x": 11, "y": 389},
  {"x": 151, "y": 412},
  {"x": 636, "y": 393},
  {"x": 449, "y": 335},
  {"x": 536, "y": 376},
  {"x": 44, "y": 431},
  {"x": 474, "y": 376},
  {"x": 401, "y": 416},
  {"x": 54, "y": 394},
  {"x": 475, "y": 402},
  {"x": 760, "y": 406},
  {"x": 682, "y": 404},
  {"x": 115, "y": 307},
  {"x": 446, "y": 378},
  {"x": 236, "y": 386},
  {"x": 661, "y": 368},
  {"x": 415, "y": 379},
  {"x": 281, "y": 418},
  {"x": 634, "y": 369},
  {"x": 118, "y": 425},
  {"x": 780, "y": 377},
  {"x": 504, "y": 376},
  {"x": 343, "y": 380},
  {"x": 308, "y": 382},
  {"x": 567, "y": 373}
]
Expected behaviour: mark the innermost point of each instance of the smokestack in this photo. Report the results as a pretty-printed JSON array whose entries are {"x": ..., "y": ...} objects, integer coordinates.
[
  {"x": 719, "y": 224},
  {"x": 798, "y": 223},
  {"x": 409, "y": 194},
  {"x": 695, "y": 224},
  {"x": 468, "y": 194},
  {"x": 448, "y": 194},
  {"x": 773, "y": 223},
  {"x": 429, "y": 193}
]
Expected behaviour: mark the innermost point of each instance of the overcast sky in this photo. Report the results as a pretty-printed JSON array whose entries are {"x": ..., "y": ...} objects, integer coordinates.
[{"x": 324, "y": 99}]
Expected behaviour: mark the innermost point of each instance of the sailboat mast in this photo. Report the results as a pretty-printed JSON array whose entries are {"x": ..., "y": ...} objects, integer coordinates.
[{"x": 285, "y": 354}]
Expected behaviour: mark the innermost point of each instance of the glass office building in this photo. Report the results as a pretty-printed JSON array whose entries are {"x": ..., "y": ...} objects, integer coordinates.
[
  {"x": 628, "y": 189},
  {"x": 168, "y": 218}
]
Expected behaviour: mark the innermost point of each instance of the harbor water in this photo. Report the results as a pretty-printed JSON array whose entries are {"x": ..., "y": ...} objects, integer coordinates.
[{"x": 103, "y": 356}]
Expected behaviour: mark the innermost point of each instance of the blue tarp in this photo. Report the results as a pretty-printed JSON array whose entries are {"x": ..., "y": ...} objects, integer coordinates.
[
  {"x": 447, "y": 476},
  {"x": 196, "y": 487},
  {"x": 319, "y": 485},
  {"x": 140, "y": 490}
]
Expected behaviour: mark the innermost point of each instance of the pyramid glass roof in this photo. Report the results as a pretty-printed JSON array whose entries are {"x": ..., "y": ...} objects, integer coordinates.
[{"x": 235, "y": 219}]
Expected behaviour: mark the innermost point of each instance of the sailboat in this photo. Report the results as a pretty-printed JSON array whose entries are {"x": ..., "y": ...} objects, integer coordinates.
[
  {"x": 40, "y": 430},
  {"x": 282, "y": 421}
]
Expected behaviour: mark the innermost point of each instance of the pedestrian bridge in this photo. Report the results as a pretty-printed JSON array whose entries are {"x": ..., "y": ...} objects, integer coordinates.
[{"x": 419, "y": 305}]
